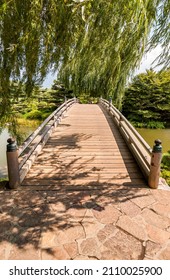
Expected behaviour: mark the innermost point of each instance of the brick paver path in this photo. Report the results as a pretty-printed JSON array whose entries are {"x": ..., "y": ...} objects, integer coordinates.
[{"x": 85, "y": 198}]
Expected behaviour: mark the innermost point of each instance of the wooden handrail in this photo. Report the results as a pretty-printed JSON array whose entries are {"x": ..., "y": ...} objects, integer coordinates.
[
  {"x": 32, "y": 146},
  {"x": 138, "y": 146}
]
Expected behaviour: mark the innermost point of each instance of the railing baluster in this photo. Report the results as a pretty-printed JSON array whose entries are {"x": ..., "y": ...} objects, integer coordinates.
[
  {"x": 110, "y": 104},
  {"x": 12, "y": 163},
  {"x": 138, "y": 146},
  {"x": 156, "y": 158}
]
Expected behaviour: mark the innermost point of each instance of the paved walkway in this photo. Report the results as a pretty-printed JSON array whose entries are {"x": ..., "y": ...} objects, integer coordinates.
[{"x": 83, "y": 203}]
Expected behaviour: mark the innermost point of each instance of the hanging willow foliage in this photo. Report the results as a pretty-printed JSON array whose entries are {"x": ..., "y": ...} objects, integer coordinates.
[
  {"x": 161, "y": 34},
  {"x": 93, "y": 44},
  {"x": 114, "y": 39},
  {"x": 34, "y": 35}
]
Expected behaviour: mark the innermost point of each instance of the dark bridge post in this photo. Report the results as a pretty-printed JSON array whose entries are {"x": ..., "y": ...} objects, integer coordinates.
[
  {"x": 12, "y": 163},
  {"x": 156, "y": 157},
  {"x": 65, "y": 100},
  {"x": 110, "y": 103}
]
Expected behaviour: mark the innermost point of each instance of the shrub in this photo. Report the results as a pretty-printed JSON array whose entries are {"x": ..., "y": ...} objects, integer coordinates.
[
  {"x": 165, "y": 167},
  {"x": 155, "y": 124},
  {"x": 35, "y": 114},
  {"x": 150, "y": 124}
]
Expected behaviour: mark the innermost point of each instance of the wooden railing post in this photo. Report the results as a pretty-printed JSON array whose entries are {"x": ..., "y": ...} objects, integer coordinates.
[
  {"x": 75, "y": 99},
  {"x": 65, "y": 100},
  {"x": 110, "y": 104},
  {"x": 13, "y": 165},
  {"x": 55, "y": 121},
  {"x": 156, "y": 157}
]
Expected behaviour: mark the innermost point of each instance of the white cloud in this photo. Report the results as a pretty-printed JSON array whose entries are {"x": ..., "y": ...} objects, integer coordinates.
[{"x": 148, "y": 59}]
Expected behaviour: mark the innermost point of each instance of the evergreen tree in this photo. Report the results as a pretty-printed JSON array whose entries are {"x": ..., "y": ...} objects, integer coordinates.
[{"x": 147, "y": 99}]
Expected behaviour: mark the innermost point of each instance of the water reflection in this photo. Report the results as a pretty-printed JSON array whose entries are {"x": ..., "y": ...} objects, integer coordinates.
[{"x": 150, "y": 135}]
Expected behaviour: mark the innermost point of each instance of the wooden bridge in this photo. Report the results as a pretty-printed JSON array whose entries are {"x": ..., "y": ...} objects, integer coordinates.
[
  {"x": 85, "y": 151},
  {"x": 90, "y": 145},
  {"x": 84, "y": 191}
]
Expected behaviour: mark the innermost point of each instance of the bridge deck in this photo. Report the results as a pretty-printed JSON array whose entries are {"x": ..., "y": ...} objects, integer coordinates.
[
  {"x": 85, "y": 198},
  {"x": 85, "y": 150}
]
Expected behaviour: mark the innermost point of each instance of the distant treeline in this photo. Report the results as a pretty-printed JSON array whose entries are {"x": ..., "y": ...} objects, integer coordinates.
[{"x": 41, "y": 102}]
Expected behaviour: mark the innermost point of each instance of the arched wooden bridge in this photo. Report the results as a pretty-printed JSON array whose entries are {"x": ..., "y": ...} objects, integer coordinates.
[
  {"x": 85, "y": 151},
  {"x": 90, "y": 146},
  {"x": 84, "y": 192}
]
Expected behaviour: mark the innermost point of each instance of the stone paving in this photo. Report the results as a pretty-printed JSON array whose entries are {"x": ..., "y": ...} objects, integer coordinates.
[
  {"x": 85, "y": 199},
  {"x": 110, "y": 224}
]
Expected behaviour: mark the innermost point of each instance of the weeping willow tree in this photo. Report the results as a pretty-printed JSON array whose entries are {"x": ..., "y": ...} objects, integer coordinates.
[
  {"x": 94, "y": 45},
  {"x": 112, "y": 43},
  {"x": 161, "y": 33},
  {"x": 34, "y": 35}
]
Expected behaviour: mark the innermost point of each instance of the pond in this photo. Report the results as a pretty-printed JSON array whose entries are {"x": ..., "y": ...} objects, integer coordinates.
[
  {"x": 3, "y": 142},
  {"x": 25, "y": 131},
  {"x": 150, "y": 135}
]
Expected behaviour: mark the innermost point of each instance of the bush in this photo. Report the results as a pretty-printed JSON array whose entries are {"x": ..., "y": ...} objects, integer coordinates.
[
  {"x": 166, "y": 175},
  {"x": 165, "y": 167},
  {"x": 137, "y": 124},
  {"x": 155, "y": 124},
  {"x": 45, "y": 114},
  {"x": 85, "y": 98},
  {"x": 166, "y": 160},
  {"x": 42, "y": 104},
  {"x": 35, "y": 114},
  {"x": 150, "y": 124}
]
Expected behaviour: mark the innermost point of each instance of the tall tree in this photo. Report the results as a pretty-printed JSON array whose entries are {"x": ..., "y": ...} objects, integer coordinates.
[
  {"x": 93, "y": 44},
  {"x": 34, "y": 35},
  {"x": 161, "y": 33},
  {"x": 112, "y": 45},
  {"x": 147, "y": 99}
]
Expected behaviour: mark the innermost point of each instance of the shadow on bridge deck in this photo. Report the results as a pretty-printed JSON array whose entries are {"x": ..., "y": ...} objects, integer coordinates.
[
  {"x": 85, "y": 198},
  {"x": 84, "y": 151}
]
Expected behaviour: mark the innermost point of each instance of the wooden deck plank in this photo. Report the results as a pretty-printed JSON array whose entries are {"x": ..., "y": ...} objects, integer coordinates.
[{"x": 85, "y": 149}]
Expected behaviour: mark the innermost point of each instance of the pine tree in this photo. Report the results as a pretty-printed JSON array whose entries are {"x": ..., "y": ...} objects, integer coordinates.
[{"x": 147, "y": 99}]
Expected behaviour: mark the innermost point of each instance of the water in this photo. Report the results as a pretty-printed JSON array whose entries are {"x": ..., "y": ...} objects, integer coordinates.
[
  {"x": 25, "y": 131},
  {"x": 150, "y": 135},
  {"x": 3, "y": 142}
]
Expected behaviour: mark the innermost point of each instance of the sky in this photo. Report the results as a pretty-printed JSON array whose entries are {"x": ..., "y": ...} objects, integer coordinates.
[
  {"x": 147, "y": 60},
  {"x": 49, "y": 80},
  {"x": 146, "y": 63}
]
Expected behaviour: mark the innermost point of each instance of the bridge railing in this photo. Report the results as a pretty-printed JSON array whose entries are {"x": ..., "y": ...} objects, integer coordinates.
[
  {"x": 35, "y": 142},
  {"x": 20, "y": 162},
  {"x": 138, "y": 146}
]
